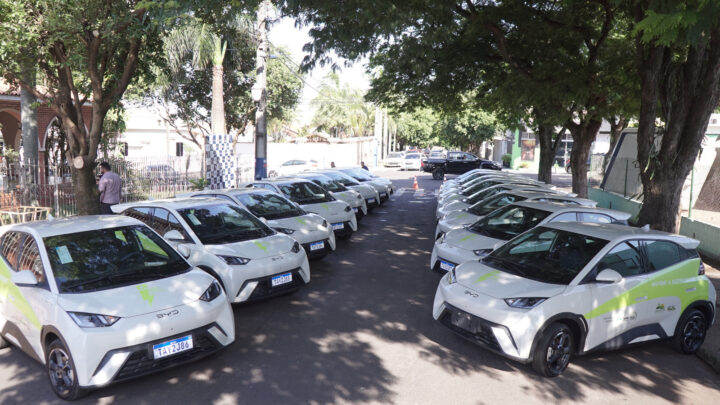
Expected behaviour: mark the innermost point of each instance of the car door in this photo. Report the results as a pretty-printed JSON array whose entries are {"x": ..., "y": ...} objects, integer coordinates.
[
  {"x": 471, "y": 162},
  {"x": 27, "y": 305},
  {"x": 616, "y": 314},
  {"x": 667, "y": 272}
]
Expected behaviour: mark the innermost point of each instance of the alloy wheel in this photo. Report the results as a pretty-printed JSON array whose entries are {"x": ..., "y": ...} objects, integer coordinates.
[
  {"x": 62, "y": 375},
  {"x": 694, "y": 332},
  {"x": 558, "y": 351}
]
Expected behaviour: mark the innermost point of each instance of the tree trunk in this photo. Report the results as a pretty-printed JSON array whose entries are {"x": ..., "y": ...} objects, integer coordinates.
[
  {"x": 86, "y": 192},
  {"x": 218, "y": 107},
  {"x": 583, "y": 137},
  {"x": 547, "y": 152},
  {"x": 29, "y": 129},
  {"x": 617, "y": 125}
]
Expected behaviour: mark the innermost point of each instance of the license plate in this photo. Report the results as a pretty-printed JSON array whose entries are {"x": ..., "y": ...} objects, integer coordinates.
[
  {"x": 383, "y": 194},
  {"x": 371, "y": 200},
  {"x": 355, "y": 209},
  {"x": 338, "y": 226},
  {"x": 174, "y": 346},
  {"x": 317, "y": 245},
  {"x": 281, "y": 279},
  {"x": 446, "y": 266}
]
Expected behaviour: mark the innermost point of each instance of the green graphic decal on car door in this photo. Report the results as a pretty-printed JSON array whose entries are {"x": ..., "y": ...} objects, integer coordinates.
[
  {"x": 680, "y": 280},
  {"x": 12, "y": 295}
]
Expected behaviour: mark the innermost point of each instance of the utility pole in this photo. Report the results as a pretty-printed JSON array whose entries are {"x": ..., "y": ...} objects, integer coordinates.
[
  {"x": 386, "y": 134},
  {"x": 259, "y": 94},
  {"x": 378, "y": 136}
]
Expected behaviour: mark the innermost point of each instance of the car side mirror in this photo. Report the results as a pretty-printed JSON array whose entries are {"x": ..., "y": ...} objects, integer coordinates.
[
  {"x": 174, "y": 235},
  {"x": 184, "y": 251},
  {"x": 24, "y": 277},
  {"x": 608, "y": 276}
]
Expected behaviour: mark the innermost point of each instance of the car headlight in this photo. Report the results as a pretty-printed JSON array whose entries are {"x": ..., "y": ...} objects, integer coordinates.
[
  {"x": 347, "y": 208},
  {"x": 85, "y": 320},
  {"x": 234, "y": 260},
  {"x": 482, "y": 252},
  {"x": 212, "y": 292},
  {"x": 325, "y": 224},
  {"x": 450, "y": 277},
  {"x": 524, "y": 302},
  {"x": 295, "y": 248},
  {"x": 285, "y": 230}
]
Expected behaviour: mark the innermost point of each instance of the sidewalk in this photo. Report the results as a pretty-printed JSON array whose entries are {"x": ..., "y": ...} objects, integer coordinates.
[{"x": 710, "y": 350}]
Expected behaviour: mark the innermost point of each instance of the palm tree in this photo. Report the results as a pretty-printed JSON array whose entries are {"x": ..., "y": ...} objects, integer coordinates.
[{"x": 342, "y": 110}]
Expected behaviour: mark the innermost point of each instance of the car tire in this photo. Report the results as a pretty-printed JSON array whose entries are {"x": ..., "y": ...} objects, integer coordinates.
[
  {"x": 3, "y": 343},
  {"x": 554, "y": 350},
  {"x": 438, "y": 174},
  {"x": 61, "y": 372},
  {"x": 690, "y": 332}
]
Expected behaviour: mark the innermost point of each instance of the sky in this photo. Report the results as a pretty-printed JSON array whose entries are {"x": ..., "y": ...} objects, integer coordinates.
[{"x": 283, "y": 33}]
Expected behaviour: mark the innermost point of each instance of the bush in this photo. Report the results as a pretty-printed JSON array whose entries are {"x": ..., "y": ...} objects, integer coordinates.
[
  {"x": 523, "y": 165},
  {"x": 506, "y": 160}
]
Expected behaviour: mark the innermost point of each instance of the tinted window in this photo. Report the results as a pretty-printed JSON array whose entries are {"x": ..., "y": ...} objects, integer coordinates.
[
  {"x": 142, "y": 214},
  {"x": 662, "y": 254},
  {"x": 479, "y": 186},
  {"x": 30, "y": 259},
  {"x": 306, "y": 193},
  {"x": 357, "y": 174},
  {"x": 107, "y": 258},
  {"x": 624, "y": 258},
  {"x": 490, "y": 204},
  {"x": 509, "y": 221},
  {"x": 164, "y": 222},
  {"x": 567, "y": 216},
  {"x": 595, "y": 217},
  {"x": 269, "y": 206},
  {"x": 328, "y": 184},
  {"x": 11, "y": 248},
  {"x": 557, "y": 200},
  {"x": 220, "y": 223},
  {"x": 342, "y": 178},
  {"x": 546, "y": 255}
]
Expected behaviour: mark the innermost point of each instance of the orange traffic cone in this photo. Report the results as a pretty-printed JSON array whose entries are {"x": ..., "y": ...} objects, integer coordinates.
[{"x": 415, "y": 186}]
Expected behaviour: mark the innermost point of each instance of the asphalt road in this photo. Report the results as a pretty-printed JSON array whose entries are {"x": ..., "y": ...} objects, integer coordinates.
[{"x": 362, "y": 332}]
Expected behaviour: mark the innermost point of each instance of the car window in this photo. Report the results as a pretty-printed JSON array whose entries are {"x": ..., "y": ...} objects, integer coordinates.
[
  {"x": 306, "y": 193},
  {"x": 662, "y": 254},
  {"x": 490, "y": 204},
  {"x": 11, "y": 248},
  {"x": 269, "y": 206},
  {"x": 509, "y": 221},
  {"x": 164, "y": 221},
  {"x": 224, "y": 197},
  {"x": 566, "y": 216},
  {"x": 224, "y": 223},
  {"x": 299, "y": 162},
  {"x": 288, "y": 163},
  {"x": 595, "y": 217},
  {"x": 30, "y": 259},
  {"x": 142, "y": 214},
  {"x": 469, "y": 156},
  {"x": 624, "y": 258},
  {"x": 557, "y": 200}
]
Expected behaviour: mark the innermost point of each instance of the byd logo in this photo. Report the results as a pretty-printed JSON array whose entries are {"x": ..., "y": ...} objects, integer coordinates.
[{"x": 167, "y": 314}]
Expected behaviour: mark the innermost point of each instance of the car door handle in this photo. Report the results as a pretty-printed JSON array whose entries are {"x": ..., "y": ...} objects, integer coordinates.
[
  {"x": 641, "y": 298},
  {"x": 691, "y": 289}
]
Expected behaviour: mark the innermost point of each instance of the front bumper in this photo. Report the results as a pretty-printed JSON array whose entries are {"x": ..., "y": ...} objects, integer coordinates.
[
  {"x": 261, "y": 288},
  {"x": 317, "y": 253},
  {"x": 451, "y": 254},
  {"x": 244, "y": 284}
]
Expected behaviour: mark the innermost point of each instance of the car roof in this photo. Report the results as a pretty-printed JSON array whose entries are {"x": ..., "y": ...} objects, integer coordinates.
[
  {"x": 62, "y": 226},
  {"x": 542, "y": 192},
  {"x": 617, "y": 232},
  {"x": 278, "y": 180},
  {"x": 173, "y": 203},
  {"x": 560, "y": 207},
  {"x": 242, "y": 190}
]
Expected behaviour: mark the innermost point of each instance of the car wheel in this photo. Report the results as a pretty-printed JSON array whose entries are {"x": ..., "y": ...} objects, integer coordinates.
[
  {"x": 438, "y": 174},
  {"x": 554, "y": 350},
  {"x": 3, "y": 343},
  {"x": 61, "y": 371},
  {"x": 690, "y": 332}
]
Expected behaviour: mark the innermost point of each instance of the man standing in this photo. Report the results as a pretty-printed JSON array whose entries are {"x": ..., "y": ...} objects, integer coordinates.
[
  {"x": 362, "y": 164},
  {"x": 109, "y": 186}
]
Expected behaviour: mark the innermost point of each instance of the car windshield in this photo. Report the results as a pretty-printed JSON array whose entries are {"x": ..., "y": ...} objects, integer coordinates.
[
  {"x": 269, "y": 205},
  {"x": 305, "y": 192},
  {"x": 222, "y": 223},
  {"x": 342, "y": 178},
  {"x": 508, "y": 222},
  {"x": 546, "y": 255},
  {"x": 328, "y": 184},
  {"x": 108, "y": 258},
  {"x": 490, "y": 204},
  {"x": 485, "y": 193},
  {"x": 395, "y": 155},
  {"x": 358, "y": 174},
  {"x": 479, "y": 186},
  {"x": 413, "y": 156}
]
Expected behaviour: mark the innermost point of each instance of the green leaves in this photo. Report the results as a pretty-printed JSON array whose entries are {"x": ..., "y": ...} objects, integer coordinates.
[{"x": 669, "y": 23}]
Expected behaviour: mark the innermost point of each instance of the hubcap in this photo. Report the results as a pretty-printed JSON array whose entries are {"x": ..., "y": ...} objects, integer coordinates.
[
  {"x": 558, "y": 352},
  {"x": 62, "y": 375},
  {"x": 694, "y": 333}
]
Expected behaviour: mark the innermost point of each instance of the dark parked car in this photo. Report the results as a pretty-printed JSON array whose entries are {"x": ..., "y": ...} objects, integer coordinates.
[{"x": 458, "y": 163}]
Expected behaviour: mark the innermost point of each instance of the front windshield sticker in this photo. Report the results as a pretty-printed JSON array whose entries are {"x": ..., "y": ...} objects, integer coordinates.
[
  {"x": 120, "y": 235},
  {"x": 193, "y": 218},
  {"x": 63, "y": 254}
]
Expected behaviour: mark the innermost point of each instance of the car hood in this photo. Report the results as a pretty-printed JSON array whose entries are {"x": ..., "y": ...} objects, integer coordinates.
[
  {"x": 140, "y": 299},
  {"x": 467, "y": 240},
  {"x": 311, "y": 222},
  {"x": 272, "y": 245},
  {"x": 483, "y": 279},
  {"x": 349, "y": 197},
  {"x": 457, "y": 218},
  {"x": 365, "y": 190},
  {"x": 452, "y": 207},
  {"x": 330, "y": 208}
]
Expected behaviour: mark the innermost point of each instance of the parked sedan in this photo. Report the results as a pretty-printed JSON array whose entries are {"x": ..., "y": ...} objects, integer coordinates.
[
  {"x": 444, "y": 209},
  {"x": 339, "y": 191},
  {"x": 564, "y": 289},
  {"x": 310, "y": 230},
  {"x": 394, "y": 159},
  {"x": 102, "y": 299},
  {"x": 458, "y": 219},
  {"x": 368, "y": 192},
  {"x": 250, "y": 260},
  {"x": 459, "y": 196},
  {"x": 477, "y": 240},
  {"x": 383, "y": 186},
  {"x": 412, "y": 161}
]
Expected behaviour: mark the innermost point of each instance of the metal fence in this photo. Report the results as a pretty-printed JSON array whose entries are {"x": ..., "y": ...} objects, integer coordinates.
[{"x": 25, "y": 190}]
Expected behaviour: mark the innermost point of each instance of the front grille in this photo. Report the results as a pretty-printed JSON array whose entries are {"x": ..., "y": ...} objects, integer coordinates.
[
  {"x": 264, "y": 288},
  {"x": 311, "y": 254},
  {"x": 141, "y": 361},
  {"x": 469, "y": 326}
]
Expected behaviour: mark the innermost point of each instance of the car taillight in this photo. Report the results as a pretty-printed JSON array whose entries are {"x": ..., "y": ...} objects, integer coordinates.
[{"x": 701, "y": 269}]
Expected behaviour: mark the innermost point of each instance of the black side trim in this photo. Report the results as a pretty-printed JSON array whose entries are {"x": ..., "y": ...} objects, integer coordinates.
[
  {"x": 13, "y": 330},
  {"x": 577, "y": 320},
  {"x": 628, "y": 336}
]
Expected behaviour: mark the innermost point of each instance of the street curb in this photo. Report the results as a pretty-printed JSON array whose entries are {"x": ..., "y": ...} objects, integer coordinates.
[{"x": 710, "y": 350}]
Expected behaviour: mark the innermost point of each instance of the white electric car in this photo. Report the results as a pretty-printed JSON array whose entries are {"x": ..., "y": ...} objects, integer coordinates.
[
  {"x": 250, "y": 260},
  {"x": 480, "y": 238},
  {"x": 101, "y": 299},
  {"x": 412, "y": 161},
  {"x": 394, "y": 159},
  {"x": 564, "y": 289},
  {"x": 466, "y": 177},
  {"x": 368, "y": 192},
  {"x": 468, "y": 202},
  {"x": 461, "y": 195},
  {"x": 383, "y": 186},
  {"x": 314, "y": 198},
  {"x": 339, "y": 191},
  {"x": 458, "y": 219},
  {"x": 310, "y": 230}
]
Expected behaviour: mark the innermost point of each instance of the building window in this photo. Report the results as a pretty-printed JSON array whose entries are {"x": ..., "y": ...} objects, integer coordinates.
[
  {"x": 124, "y": 148},
  {"x": 527, "y": 146},
  {"x": 714, "y": 121},
  {"x": 178, "y": 148}
]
